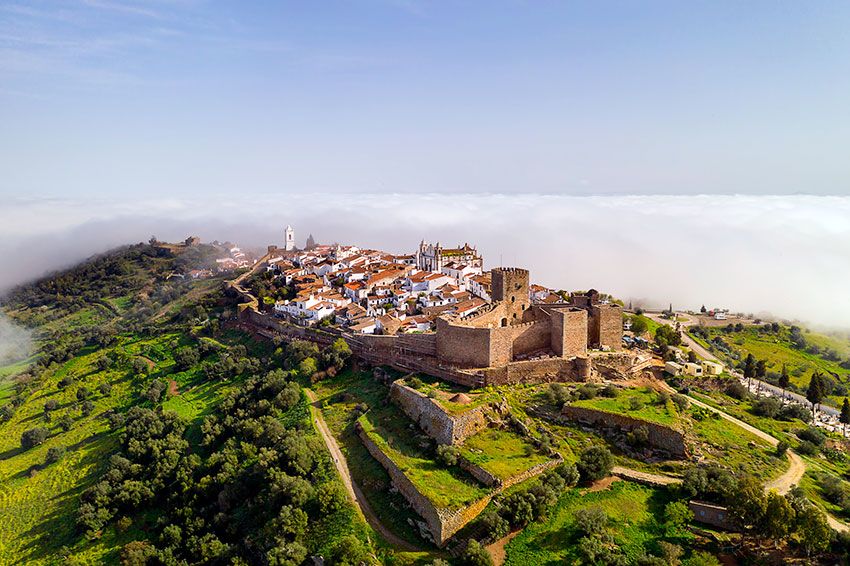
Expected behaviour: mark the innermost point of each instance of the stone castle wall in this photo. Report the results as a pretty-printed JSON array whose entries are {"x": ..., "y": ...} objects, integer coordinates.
[
  {"x": 436, "y": 422},
  {"x": 605, "y": 326},
  {"x": 661, "y": 437},
  {"x": 539, "y": 371}
]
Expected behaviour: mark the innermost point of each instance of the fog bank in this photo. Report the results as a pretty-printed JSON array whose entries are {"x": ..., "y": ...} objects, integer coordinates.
[
  {"x": 789, "y": 255},
  {"x": 15, "y": 342}
]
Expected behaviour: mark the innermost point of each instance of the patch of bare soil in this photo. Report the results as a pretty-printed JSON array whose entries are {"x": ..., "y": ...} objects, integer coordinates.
[
  {"x": 497, "y": 549},
  {"x": 172, "y": 388},
  {"x": 603, "y": 484}
]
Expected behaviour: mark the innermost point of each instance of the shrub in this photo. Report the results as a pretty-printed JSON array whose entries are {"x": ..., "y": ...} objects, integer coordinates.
[
  {"x": 54, "y": 454},
  {"x": 331, "y": 496},
  {"x": 680, "y": 401},
  {"x": 587, "y": 391},
  {"x": 34, "y": 437},
  {"x": 594, "y": 463},
  {"x": 638, "y": 437},
  {"x": 591, "y": 520},
  {"x": 448, "y": 455},
  {"x": 662, "y": 397},
  {"x": 51, "y": 405},
  {"x": 475, "y": 555},
  {"x": 677, "y": 514},
  {"x": 781, "y": 449},
  {"x": 557, "y": 393},
  {"x": 737, "y": 390},
  {"x": 635, "y": 404},
  {"x": 65, "y": 422},
  {"x": 812, "y": 434},
  {"x": 610, "y": 391},
  {"x": 569, "y": 473},
  {"x": 807, "y": 448},
  {"x": 105, "y": 388},
  {"x": 767, "y": 407},
  {"x": 793, "y": 411}
]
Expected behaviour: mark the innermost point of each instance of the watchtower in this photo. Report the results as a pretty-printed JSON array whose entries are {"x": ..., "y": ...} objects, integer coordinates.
[{"x": 510, "y": 285}]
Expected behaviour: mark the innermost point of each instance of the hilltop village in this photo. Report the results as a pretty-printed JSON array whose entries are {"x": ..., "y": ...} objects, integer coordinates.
[{"x": 437, "y": 310}]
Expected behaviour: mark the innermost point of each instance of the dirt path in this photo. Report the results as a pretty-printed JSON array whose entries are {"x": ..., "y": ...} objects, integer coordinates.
[
  {"x": 497, "y": 549},
  {"x": 353, "y": 490},
  {"x": 796, "y": 469}
]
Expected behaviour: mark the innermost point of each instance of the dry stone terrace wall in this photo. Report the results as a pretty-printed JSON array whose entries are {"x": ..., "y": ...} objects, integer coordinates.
[
  {"x": 435, "y": 421},
  {"x": 660, "y": 436},
  {"x": 444, "y": 523}
]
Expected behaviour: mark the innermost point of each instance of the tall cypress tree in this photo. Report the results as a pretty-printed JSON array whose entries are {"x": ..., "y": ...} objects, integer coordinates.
[{"x": 815, "y": 391}]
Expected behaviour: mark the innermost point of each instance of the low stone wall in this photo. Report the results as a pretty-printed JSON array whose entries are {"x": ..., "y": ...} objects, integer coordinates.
[
  {"x": 479, "y": 473},
  {"x": 442, "y": 523},
  {"x": 434, "y": 420},
  {"x": 660, "y": 436}
]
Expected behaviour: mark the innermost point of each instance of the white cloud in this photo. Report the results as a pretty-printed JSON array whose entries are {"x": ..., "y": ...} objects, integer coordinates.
[{"x": 789, "y": 255}]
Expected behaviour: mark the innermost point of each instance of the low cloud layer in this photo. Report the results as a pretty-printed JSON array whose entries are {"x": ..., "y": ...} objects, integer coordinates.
[
  {"x": 788, "y": 255},
  {"x": 15, "y": 342}
]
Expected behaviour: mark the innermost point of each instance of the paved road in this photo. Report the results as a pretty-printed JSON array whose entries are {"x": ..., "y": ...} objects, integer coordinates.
[{"x": 353, "y": 490}]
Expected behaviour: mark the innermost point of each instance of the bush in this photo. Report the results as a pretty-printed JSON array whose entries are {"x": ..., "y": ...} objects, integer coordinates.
[
  {"x": 737, "y": 390},
  {"x": 105, "y": 388},
  {"x": 557, "y": 394},
  {"x": 331, "y": 496},
  {"x": 448, "y": 455},
  {"x": 51, "y": 405},
  {"x": 54, "y": 454},
  {"x": 681, "y": 402},
  {"x": 569, "y": 473},
  {"x": 594, "y": 463},
  {"x": 781, "y": 449},
  {"x": 34, "y": 437},
  {"x": 635, "y": 404},
  {"x": 591, "y": 520},
  {"x": 812, "y": 434},
  {"x": 767, "y": 407},
  {"x": 475, "y": 555},
  {"x": 587, "y": 391},
  {"x": 807, "y": 448},
  {"x": 638, "y": 437},
  {"x": 793, "y": 411},
  {"x": 610, "y": 391}
]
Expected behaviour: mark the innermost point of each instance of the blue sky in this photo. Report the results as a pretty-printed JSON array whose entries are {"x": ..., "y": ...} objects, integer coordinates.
[{"x": 189, "y": 97}]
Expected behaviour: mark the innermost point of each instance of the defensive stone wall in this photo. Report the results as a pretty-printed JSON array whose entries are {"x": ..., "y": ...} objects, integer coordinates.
[
  {"x": 605, "y": 326},
  {"x": 464, "y": 346},
  {"x": 539, "y": 371},
  {"x": 661, "y": 437},
  {"x": 435, "y": 421}
]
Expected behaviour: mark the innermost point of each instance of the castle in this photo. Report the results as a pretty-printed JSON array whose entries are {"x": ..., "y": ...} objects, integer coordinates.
[{"x": 512, "y": 329}]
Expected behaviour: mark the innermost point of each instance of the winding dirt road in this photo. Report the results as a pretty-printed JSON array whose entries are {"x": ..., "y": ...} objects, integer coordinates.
[{"x": 353, "y": 490}]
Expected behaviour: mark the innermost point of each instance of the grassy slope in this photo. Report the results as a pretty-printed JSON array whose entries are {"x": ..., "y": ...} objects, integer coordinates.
[
  {"x": 39, "y": 503},
  {"x": 633, "y": 511},
  {"x": 503, "y": 453},
  {"x": 649, "y": 407},
  {"x": 338, "y": 397},
  {"x": 777, "y": 350}
]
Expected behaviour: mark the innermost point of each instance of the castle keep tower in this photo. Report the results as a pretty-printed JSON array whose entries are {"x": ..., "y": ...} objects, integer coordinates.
[
  {"x": 289, "y": 238},
  {"x": 510, "y": 285}
]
